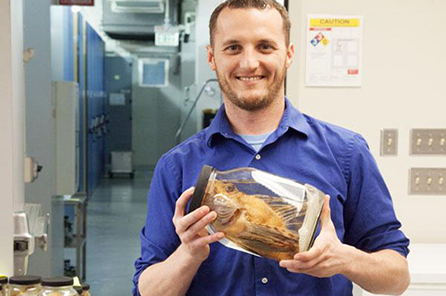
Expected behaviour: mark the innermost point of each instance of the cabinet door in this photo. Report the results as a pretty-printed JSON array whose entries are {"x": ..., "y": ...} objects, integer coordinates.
[
  {"x": 420, "y": 290},
  {"x": 426, "y": 290}
]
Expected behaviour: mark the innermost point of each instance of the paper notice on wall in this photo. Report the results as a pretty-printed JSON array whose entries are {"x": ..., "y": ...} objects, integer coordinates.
[
  {"x": 334, "y": 51},
  {"x": 116, "y": 99}
]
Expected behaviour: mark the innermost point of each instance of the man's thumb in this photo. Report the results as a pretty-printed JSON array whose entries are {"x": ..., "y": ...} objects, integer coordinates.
[{"x": 326, "y": 212}]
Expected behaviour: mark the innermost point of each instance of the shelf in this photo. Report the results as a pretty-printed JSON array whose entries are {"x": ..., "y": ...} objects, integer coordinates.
[{"x": 79, "y": 237}]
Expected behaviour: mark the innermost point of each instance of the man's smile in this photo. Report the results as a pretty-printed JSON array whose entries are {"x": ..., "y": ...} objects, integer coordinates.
[
  {"x": 250, "y": 78},
  {"x": 250, "y": 58}
]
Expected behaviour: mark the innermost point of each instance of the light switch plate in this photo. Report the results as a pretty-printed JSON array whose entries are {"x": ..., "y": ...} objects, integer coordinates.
[
  {"x": 428, "y": 142},
  {"x": 427, "y": 181},
  {"x": 389, "y": 142}
]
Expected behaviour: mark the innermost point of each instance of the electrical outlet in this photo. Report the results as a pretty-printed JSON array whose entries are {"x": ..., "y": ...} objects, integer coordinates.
[
  {"x": 389, "y": 142},
  {"x": 428, "y": 142},
  {"x": 427, "y": 181}
]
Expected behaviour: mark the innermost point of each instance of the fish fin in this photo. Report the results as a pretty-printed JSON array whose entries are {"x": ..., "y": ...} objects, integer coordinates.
[
  {"x": 263, "y": 239},
  {"x": 286, "y": 211}
]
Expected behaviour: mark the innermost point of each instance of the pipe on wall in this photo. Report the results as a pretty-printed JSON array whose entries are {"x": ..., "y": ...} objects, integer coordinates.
[{"x": 18, "y": 84}]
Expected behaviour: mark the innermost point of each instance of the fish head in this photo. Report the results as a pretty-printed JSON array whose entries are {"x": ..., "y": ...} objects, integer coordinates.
[{"x": 226, "y": 208}]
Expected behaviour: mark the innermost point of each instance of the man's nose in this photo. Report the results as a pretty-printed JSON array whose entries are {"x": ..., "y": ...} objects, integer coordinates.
[{"x": 249, "y": 60}]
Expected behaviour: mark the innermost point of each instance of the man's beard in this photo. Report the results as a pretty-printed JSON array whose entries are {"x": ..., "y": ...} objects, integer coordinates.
[{"x": 249, "y": 103}]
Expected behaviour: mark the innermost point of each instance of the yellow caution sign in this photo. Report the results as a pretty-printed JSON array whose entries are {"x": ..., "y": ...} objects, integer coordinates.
[{"x": 333, "y": 22}]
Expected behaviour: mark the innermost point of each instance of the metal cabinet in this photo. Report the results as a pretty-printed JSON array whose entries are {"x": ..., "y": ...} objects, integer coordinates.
[
  {"x": 76, "y": 231},
  {"x": 66, "y": 98}
]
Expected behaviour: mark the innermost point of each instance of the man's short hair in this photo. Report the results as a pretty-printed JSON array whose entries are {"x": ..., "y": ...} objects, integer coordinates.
[{"x": 257, "y": 4}]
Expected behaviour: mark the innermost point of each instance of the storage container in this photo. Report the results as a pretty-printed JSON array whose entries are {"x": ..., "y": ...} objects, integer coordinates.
[
  {"x": 78, "y": 290},
  {"x": 3, "y": 285},
  {"x": 58, "y": 286},
  {"x": 19, "y": 285},
  {"x": 121, "y": 163},
  {"x": 260, "y": 213},
  {"x": 86, "y": 289}
]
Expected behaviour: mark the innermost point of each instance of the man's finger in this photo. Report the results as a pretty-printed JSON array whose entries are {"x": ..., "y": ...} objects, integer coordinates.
[
  {"x": 326, "y": 212},
  {"x": 209, "y": 239},
  {"x": 198, "y": 226},
  {"x": 203, "y": 232},
  {"x": 192, "y": 218},
  {"x": 181, "y": 203},
  {"x": 291, "y": 265},
  {"x": 309, "y": 255},
  {"x": 299, "y": 266},
  {"x": 309, "y": 262}
]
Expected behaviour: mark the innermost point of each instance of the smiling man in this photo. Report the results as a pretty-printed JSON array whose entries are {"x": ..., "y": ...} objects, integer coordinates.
[
  {"x": 251, "y": 62},
  {"x": 359, "y": 240}
]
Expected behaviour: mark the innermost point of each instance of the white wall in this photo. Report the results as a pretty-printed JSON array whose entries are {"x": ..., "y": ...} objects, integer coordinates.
[
  {"x": 40, "y": 132},
  {"x": 188, "y": 67},
  {"x": 203, "y": 72},
  {"x": 403, "y": 88},
  {"x": 158, "y": 112},
  {"x": 57, "y": 42},
  {"x": 94, "y": 14},
  {"x": 155, "y": 116},
  {"x": 11, "y": 125}
]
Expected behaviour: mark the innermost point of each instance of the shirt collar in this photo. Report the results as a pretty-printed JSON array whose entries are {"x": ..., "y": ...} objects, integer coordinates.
[{"x": 292, "y": 118}]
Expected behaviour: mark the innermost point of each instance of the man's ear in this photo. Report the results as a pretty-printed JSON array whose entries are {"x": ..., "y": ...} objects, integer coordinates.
[
  {"x": 289, "y": 55},
  {"x": 211, "y": 61}
]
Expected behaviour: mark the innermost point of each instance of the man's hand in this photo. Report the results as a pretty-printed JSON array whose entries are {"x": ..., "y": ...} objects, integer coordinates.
[
  {"x": 174, "y": 275},
  {"x": 190, "y": 228},
  {"x": 327, "y": 257},
  {"x": 381, "y": 272}
]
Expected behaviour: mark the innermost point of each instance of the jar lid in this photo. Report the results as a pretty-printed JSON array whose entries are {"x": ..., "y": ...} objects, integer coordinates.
[
  {"x": 200, "y": 187},
  {"x": 3, "y": 279},
  {"x": 85, "y": 286},
  {"x": 24, "y": 280},
  {"x": 57, "y": 281},
  {"x": 78, "y": 289}
]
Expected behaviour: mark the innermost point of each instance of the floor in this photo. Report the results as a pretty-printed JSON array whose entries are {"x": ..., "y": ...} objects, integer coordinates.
[{"x": 116, "y": 213}]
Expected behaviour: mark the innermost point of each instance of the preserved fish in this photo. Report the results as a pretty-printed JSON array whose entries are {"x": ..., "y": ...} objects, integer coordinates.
[{"x": 260, "y": 213}]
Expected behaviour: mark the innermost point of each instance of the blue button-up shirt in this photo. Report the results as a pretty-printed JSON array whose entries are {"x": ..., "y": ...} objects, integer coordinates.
[{"x": 333, "y": 159}]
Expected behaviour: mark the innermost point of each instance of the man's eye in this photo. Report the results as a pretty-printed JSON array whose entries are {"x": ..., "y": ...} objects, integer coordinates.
[
  {"x": 233, "y": 48},
  {"x": 266, "y": 47}
]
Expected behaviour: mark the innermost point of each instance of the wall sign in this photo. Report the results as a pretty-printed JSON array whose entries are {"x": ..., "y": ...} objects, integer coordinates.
[
  {"x": 334, "y": 51},
  {"x": 77, "y": 2}
]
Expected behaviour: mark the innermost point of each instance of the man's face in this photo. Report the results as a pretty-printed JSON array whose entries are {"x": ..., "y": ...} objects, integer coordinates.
[{"x": 250, "y": 57}]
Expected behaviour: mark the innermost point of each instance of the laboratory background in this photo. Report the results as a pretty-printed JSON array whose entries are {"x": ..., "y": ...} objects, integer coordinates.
[{"x": 93, "y": 92}]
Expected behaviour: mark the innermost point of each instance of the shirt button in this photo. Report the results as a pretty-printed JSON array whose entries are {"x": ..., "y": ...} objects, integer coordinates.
[
  {"x": 258, "y": 156},
  {"x": 265, "y": 280}
]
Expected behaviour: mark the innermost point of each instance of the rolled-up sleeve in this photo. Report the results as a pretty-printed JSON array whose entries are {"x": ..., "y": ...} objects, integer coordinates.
[
  {"x": 158, "y": 236},
  {"x": 369, "y": 216}
]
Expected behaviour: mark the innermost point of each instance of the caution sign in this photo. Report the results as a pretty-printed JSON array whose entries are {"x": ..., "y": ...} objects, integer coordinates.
[
  {"x": 334, "y": 22},
  {"x": 77, "y": 2},
  {"x": 319, "y": 39},
  {"x": 334, "y": 51}
]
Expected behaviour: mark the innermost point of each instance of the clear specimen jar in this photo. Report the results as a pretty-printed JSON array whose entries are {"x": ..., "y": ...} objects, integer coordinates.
[{"x": 260, "y": 213}]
